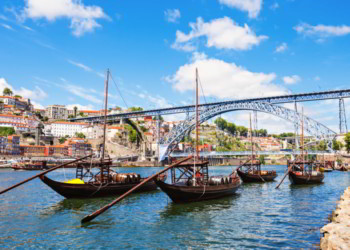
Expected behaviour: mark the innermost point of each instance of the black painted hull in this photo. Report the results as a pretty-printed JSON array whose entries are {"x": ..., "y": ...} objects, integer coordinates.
[
  {"x": 185, "y": 194},
  {"x": 305, "y": 179},
  {"x": 93, "y": 191},
  {"x": 254, "y": 178}
]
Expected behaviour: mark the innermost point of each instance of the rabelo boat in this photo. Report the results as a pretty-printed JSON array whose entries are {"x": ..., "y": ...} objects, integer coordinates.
[{"x": 190, "y": 180}]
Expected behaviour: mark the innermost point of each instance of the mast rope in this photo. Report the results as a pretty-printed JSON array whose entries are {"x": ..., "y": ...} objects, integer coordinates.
[{"x": 120, "y": 93}]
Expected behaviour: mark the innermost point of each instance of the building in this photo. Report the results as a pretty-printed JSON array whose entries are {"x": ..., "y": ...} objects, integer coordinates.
[
  {"x": 32, "y": 150},
  {"x": 89, "y": 112},
  {"x": 59, "y": 129},
  {"x": 42, "y": 112},
  {"x": 56, "y": 112},
  {"x": 18, "y": 127},
  {"x": 77, "y": 147},
  {"x": 113, "y": 130},
  {"x": 93, "y": 131},
  {"x": 15, "y": 102},
  {"x": 17, "y": 119},
  {"x": 9, "y": 145}
]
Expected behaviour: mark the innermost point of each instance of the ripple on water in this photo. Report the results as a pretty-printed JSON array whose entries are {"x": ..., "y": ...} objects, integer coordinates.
[{"x": 258, "y": 216}]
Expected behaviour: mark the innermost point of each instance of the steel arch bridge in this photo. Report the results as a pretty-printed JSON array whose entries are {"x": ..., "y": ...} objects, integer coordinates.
[{"x": 314, "y": 128}]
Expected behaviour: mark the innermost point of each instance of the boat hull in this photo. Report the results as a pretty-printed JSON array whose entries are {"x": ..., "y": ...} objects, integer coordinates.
[
  {"x": 254, "y": 178},
  {"x": 305, "y": 179},
  {"x": 186, "y": 194},
  {"x": 82, "y": 191}
]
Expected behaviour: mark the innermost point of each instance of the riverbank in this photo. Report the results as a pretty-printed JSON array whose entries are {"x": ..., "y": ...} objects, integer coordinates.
[{"x": 337, "y": 233}]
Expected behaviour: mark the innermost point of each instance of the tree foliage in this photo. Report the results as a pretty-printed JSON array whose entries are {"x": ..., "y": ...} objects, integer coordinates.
[
  {"x": 133, "y": 109},
  {"x": 6, "y": 131},
  {"x": 7, "y": 92},
  {"x": 63, "y": 139},
  {"x": 347, "y": 142},
  {"x": 337, "y": 145},
  {"x": 79, "y": 135}
]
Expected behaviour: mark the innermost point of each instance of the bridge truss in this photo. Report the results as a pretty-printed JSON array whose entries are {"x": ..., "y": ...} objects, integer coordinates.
[
  {"x": 314, "y": 128},
  {"x": 313, "y": 96}
]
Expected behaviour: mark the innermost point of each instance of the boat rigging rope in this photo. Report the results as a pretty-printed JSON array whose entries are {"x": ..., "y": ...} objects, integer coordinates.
[
  {"x": 202, "y": 193},
  {"x": 120, "y": 93}
]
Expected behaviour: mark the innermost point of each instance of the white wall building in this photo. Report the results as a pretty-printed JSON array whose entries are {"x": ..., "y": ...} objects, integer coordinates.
[
  {"x": 56, "y": 112},
  {"x": 93, "y": 131},
  {"x": 59, "y": 129},
  {"x": 30, "y": 122}
]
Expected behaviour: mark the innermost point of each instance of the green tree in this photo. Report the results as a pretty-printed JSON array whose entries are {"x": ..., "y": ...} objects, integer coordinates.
[
  {"x": 63, "y": 139},
  {"x": 7, "y": 92},
  {"x": 79, "y": 135},
  {"x": 221, "y": 123},
  {"x": 322, "y": 146},
  {"x": 133, "y": 109},
  {"x": 6, "y": 131},
  {"x": 337, "y": 145},
  {"x": 18, "y": 96},
  {"x": 347, "y": 142},
  {"x": 70, "y": 116},
  {"x": 45, "y": 119},
  {"x": 262, "y": 159},
  {"x": 231, "y": 128}
]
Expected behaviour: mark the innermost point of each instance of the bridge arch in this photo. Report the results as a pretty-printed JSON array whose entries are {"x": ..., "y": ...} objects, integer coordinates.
[{"x": 311, "y": 126}]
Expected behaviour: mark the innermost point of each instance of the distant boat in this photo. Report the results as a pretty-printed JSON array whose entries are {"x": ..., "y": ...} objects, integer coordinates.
[
  {"x": 7, "y": 163},
  {"x": 304, "y": 171},
  {"x": 30, "y": 165},
  {"x": 251, "y": 172}
]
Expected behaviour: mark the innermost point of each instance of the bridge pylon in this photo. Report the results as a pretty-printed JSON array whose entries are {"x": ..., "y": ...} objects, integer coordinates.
[{"x": 343, "y": 127}]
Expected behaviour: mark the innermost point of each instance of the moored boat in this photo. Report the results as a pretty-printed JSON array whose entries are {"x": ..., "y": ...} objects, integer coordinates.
[
  {"x": 190, "y": 180},
  {"x": 252, "y": 173},
  {"x": 304, "y": 172},
  {"x": 31, "y": 165}
]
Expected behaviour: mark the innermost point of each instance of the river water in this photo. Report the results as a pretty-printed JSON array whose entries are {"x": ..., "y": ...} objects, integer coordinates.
[{"x": 258, "y": 216}]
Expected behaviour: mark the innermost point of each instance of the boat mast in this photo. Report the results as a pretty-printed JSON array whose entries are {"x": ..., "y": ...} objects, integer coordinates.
[
  {"x": 302, "y": 138},
  {"x": 105, "y": 117},
  {"x": 251, "y": 138},
  {"x": 197, "y": 131}
]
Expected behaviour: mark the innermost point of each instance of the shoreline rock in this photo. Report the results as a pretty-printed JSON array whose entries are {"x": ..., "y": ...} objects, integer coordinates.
[{"x": 336, "y": 235}]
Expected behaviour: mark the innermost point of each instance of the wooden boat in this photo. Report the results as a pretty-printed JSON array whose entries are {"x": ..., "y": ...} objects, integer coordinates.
[
  {"x": 190, "y": 181},
  {"x": 39, "y": 165},
  {"x": 95, "y": 189},
  {"x": 104, "y": 183},
  {"x": 186, "y": 188},
  {"x": 342, "y": 168},
  {"x": 252, "y": 173},
  {"x": 304, "y": 172}
]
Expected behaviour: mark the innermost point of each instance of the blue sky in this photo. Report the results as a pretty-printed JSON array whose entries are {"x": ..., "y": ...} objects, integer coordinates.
[{"x": 56, "y": 51}]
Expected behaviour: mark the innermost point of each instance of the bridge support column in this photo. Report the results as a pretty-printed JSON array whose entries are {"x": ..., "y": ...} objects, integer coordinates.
[
  {"x": 255, "y": 122},
  {"x": 158, "y": 134},
  {"x": 343, "y": 127}
]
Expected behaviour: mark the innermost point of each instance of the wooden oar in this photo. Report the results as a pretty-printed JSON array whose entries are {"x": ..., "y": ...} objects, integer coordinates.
[
  {"x": 285, "y": 175},
  {"x": 105, "y": 208},
  {"x": 43, "y": 173}
]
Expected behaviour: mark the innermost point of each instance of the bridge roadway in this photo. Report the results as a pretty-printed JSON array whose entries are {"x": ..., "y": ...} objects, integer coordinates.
[
  {"x": 247, "y": 153},
  {"x": 313, "y": 96}
]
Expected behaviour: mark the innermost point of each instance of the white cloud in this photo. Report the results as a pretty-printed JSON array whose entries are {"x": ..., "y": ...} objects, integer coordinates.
[
  {"x": 322, "y": 31},
  {"x": 81, "y": 92},
  {"x": 253, "y": 7},
  {"x": 3, "y": 17},
  {"x": 281, "y": 48},
  {"x": 83, "y": 18},
  {"x": 225, "y": 80},
  {"x": 37, "y": 105},
  {"x": 172, "y": 15},
  {"x": 274, "y": 6},
  {"x": 289, "y": 80},
  {"x": 6, "y": 26},
  {"x": 80, "y": 65},
  {"x": 81, "y": 107},
  {"x": 222, "y": 33},
  {"x": 317, "y": 78}
]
